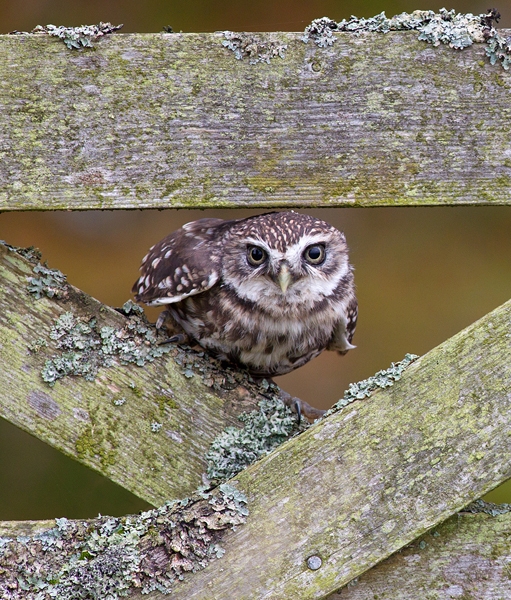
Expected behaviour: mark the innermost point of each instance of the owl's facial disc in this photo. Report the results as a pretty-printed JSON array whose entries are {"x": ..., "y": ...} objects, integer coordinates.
[{"x": 287, "y": 274}]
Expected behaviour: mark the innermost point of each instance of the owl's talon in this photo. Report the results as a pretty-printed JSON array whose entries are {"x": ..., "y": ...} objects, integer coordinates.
[
  {"x": 306, "y": 410},
  {"x": 300, "y": 407},
  {"x": 162, "y": 317},
  {"x": 298, "y": 410},
  {"x": 179, "y": 338}
]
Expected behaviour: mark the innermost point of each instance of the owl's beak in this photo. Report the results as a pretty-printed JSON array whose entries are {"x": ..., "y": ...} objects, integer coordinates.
[{"x": 284, "y": 278}]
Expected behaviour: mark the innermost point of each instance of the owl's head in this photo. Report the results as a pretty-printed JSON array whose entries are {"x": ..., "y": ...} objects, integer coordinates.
[{"x": 284, "y": 258}]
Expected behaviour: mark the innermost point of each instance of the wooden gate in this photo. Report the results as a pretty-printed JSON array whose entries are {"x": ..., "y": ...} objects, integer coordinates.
[{"x": 257, "y": 120}]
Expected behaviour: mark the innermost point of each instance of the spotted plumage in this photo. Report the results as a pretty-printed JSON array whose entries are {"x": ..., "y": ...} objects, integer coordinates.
[{"x": 268, "y": 293}]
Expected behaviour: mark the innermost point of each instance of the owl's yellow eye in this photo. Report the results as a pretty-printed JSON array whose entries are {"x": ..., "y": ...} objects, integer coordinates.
[
  {"x": 315, "y": 254},
  {"x": 256, "y": 256}
]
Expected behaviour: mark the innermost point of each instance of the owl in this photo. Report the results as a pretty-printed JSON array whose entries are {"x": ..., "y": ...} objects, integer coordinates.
[{"x": 268, "y": 293}]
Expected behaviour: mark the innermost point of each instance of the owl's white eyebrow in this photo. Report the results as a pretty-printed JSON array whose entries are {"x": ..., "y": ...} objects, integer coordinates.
[
  {"x": 294, "y": 252},
  {"x": 308, "y": 240},
  {"x": 262, "y": 244}
]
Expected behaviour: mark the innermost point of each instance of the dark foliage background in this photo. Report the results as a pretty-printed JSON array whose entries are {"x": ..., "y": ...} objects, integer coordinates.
[{"x": 422, "y": 274}]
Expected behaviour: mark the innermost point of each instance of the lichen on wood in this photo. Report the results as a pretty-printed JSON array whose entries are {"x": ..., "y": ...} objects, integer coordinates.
[
  {"x": 84, "y": 347},
  {"x": 264, "y": 430},
  {"x": 380, "y": 380},
  {"x": 110, "y": 557},
  {"x": 148, "y": 429},
  {"x": 456, "y": 30},
  {"x": 48, "y": 282},
  {"x": 246, "y": 45},
  {"x": 74, "y": 37}
]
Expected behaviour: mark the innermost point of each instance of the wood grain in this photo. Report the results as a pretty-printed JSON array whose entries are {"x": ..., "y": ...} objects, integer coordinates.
[
  {"x": 468, "y": 556},
  {"x": 174, "y": 120}
]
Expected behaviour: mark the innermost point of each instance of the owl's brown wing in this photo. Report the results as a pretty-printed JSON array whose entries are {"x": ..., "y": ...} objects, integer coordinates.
[{"x": 183, "y": 264}]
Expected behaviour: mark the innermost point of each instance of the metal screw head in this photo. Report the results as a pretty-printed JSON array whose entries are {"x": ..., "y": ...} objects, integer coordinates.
[{"x": 314, "y": 562}]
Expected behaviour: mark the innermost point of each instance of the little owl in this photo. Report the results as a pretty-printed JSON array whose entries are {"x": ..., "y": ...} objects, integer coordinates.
[{"x": 268, "y": 293}]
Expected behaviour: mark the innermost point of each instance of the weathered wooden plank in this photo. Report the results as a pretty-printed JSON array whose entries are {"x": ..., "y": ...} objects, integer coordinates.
[
  {"x": 468, "y": 556},
  {"x": 365, "y": 482},
  {"x": 105, "y": 557},
  {"x": 174, "y": 120},
  {"x": 147, "y": 428}
]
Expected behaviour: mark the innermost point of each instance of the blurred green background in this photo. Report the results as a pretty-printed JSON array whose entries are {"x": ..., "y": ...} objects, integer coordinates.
[{"x": 422, "y": 273}]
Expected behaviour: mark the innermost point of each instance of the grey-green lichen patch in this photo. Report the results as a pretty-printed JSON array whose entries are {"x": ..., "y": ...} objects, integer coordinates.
[
  {"x": 211, "y": 371},
  {"x": 83, "y": 346},
  {"x": 49, "y": 282},
  {"x": 264, "y": 429},
  {"x": 38, "y": 345},
  {"x": 108, "y": 557},
  {"x": 448, "y": 27},
  {"x": 382, "y": 379},
  {"x": 75, "y": 37},
  {"x": 79, "y": 344},
  {"x": 32, "y": 254},
  {"x": 119, "y": 401},
  {"x": 498, "y": 49},
  {"x": 252, "y": 47},
  {"x": 480, "y": 506},
  {"x": 156, "y": 427}
]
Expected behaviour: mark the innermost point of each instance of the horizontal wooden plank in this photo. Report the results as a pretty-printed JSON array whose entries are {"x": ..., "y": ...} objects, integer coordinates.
[
  {"x": 174, "y": 120},
  {"x": 148, "y": 427},
  {"x": 468, "y": 556}
]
